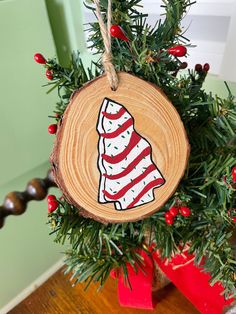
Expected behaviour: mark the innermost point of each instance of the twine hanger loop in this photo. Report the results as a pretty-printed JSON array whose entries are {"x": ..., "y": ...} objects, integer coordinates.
[{"x": 107, "y": 55}]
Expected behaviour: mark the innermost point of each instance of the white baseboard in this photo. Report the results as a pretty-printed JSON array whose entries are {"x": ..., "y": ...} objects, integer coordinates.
[{"x": 32, "y": 287}]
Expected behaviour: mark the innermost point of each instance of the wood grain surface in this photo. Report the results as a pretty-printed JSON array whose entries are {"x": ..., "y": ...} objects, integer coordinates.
[
  {"x": 57, "y": 296},
  {"x": 75, "y": 153}
]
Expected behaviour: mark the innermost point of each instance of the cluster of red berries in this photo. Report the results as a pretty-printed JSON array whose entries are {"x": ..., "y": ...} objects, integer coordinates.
[
  {"x": 52, "y": 203},
  {"x": 39, "y": 58},
  {"x": 199, "y": 68},
  {"x": 175, "y": 211}
]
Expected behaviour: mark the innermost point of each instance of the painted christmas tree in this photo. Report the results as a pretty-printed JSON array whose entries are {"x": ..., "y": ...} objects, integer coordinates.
[{"x": 128, "y": 174}]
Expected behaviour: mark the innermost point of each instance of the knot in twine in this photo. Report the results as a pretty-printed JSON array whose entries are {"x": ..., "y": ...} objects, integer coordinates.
[{"x": 107, "y": 55}]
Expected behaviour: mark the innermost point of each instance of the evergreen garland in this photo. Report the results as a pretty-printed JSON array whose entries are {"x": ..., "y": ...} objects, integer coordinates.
[{"x": 207, "y": 187}]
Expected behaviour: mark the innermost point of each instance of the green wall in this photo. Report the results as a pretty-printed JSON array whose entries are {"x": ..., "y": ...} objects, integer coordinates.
[
  {"x": 26, "y": 249},
  {"x": 24, "y": 105},
  {"x": 67, "y": 25}
]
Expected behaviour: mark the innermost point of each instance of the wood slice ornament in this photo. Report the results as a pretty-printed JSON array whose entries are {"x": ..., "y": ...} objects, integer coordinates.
[{"x": 119, "y": 155}]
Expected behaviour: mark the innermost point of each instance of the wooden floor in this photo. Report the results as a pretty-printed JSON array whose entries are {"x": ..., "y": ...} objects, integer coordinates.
[{"x": 57, "y": 296}]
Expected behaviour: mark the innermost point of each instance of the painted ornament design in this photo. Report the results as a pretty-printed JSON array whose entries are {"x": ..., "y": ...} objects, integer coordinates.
[{"x": 128, "y": 175}]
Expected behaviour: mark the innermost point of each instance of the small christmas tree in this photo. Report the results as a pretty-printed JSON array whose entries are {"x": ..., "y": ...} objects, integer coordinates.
[
  {"x": 201, "y": 212},
  {"x": 132, "y": 162}
]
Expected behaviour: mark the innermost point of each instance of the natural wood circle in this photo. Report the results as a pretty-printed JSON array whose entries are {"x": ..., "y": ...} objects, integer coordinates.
[{"x": 75, "y": 153}]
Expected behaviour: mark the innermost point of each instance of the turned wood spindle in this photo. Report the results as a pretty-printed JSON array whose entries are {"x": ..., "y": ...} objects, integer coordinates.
[{"x": 15, "y": 203}]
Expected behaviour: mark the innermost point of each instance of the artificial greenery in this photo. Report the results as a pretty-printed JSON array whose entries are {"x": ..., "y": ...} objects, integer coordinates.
[{"x": 207, "y": 187}]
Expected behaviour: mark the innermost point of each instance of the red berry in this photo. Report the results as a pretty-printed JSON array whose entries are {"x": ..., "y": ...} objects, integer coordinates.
[
  {"x": 170, "y": 221},
  {"x": 51, "y": 198},
  {"x": 198, "y": 67},
  {"x": 234, "y": 174},
  {"x": 185, "y": 211},
  {"x": 234, "y": 219},
  {"x": 168, "y": 215},
  {"x": 117, "y": 32},
  {"x": 206, "y": 67},
  {"x": 52, "y": 206},
  {"x": 183, "y": 65},
  {"x": 39, "y": 58},
  {"x": 49, "y": 74},
  {"x": 177, "y": 51},
  {"x": 114, "y": 273},
  {"x": 174, "y": 211},
  {"x": 52, "y": 128}
]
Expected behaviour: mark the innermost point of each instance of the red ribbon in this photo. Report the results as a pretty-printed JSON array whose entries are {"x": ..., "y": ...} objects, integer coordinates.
[
  {"x": 140, "y": 296},
  {"x": 188, "y": 278}
]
